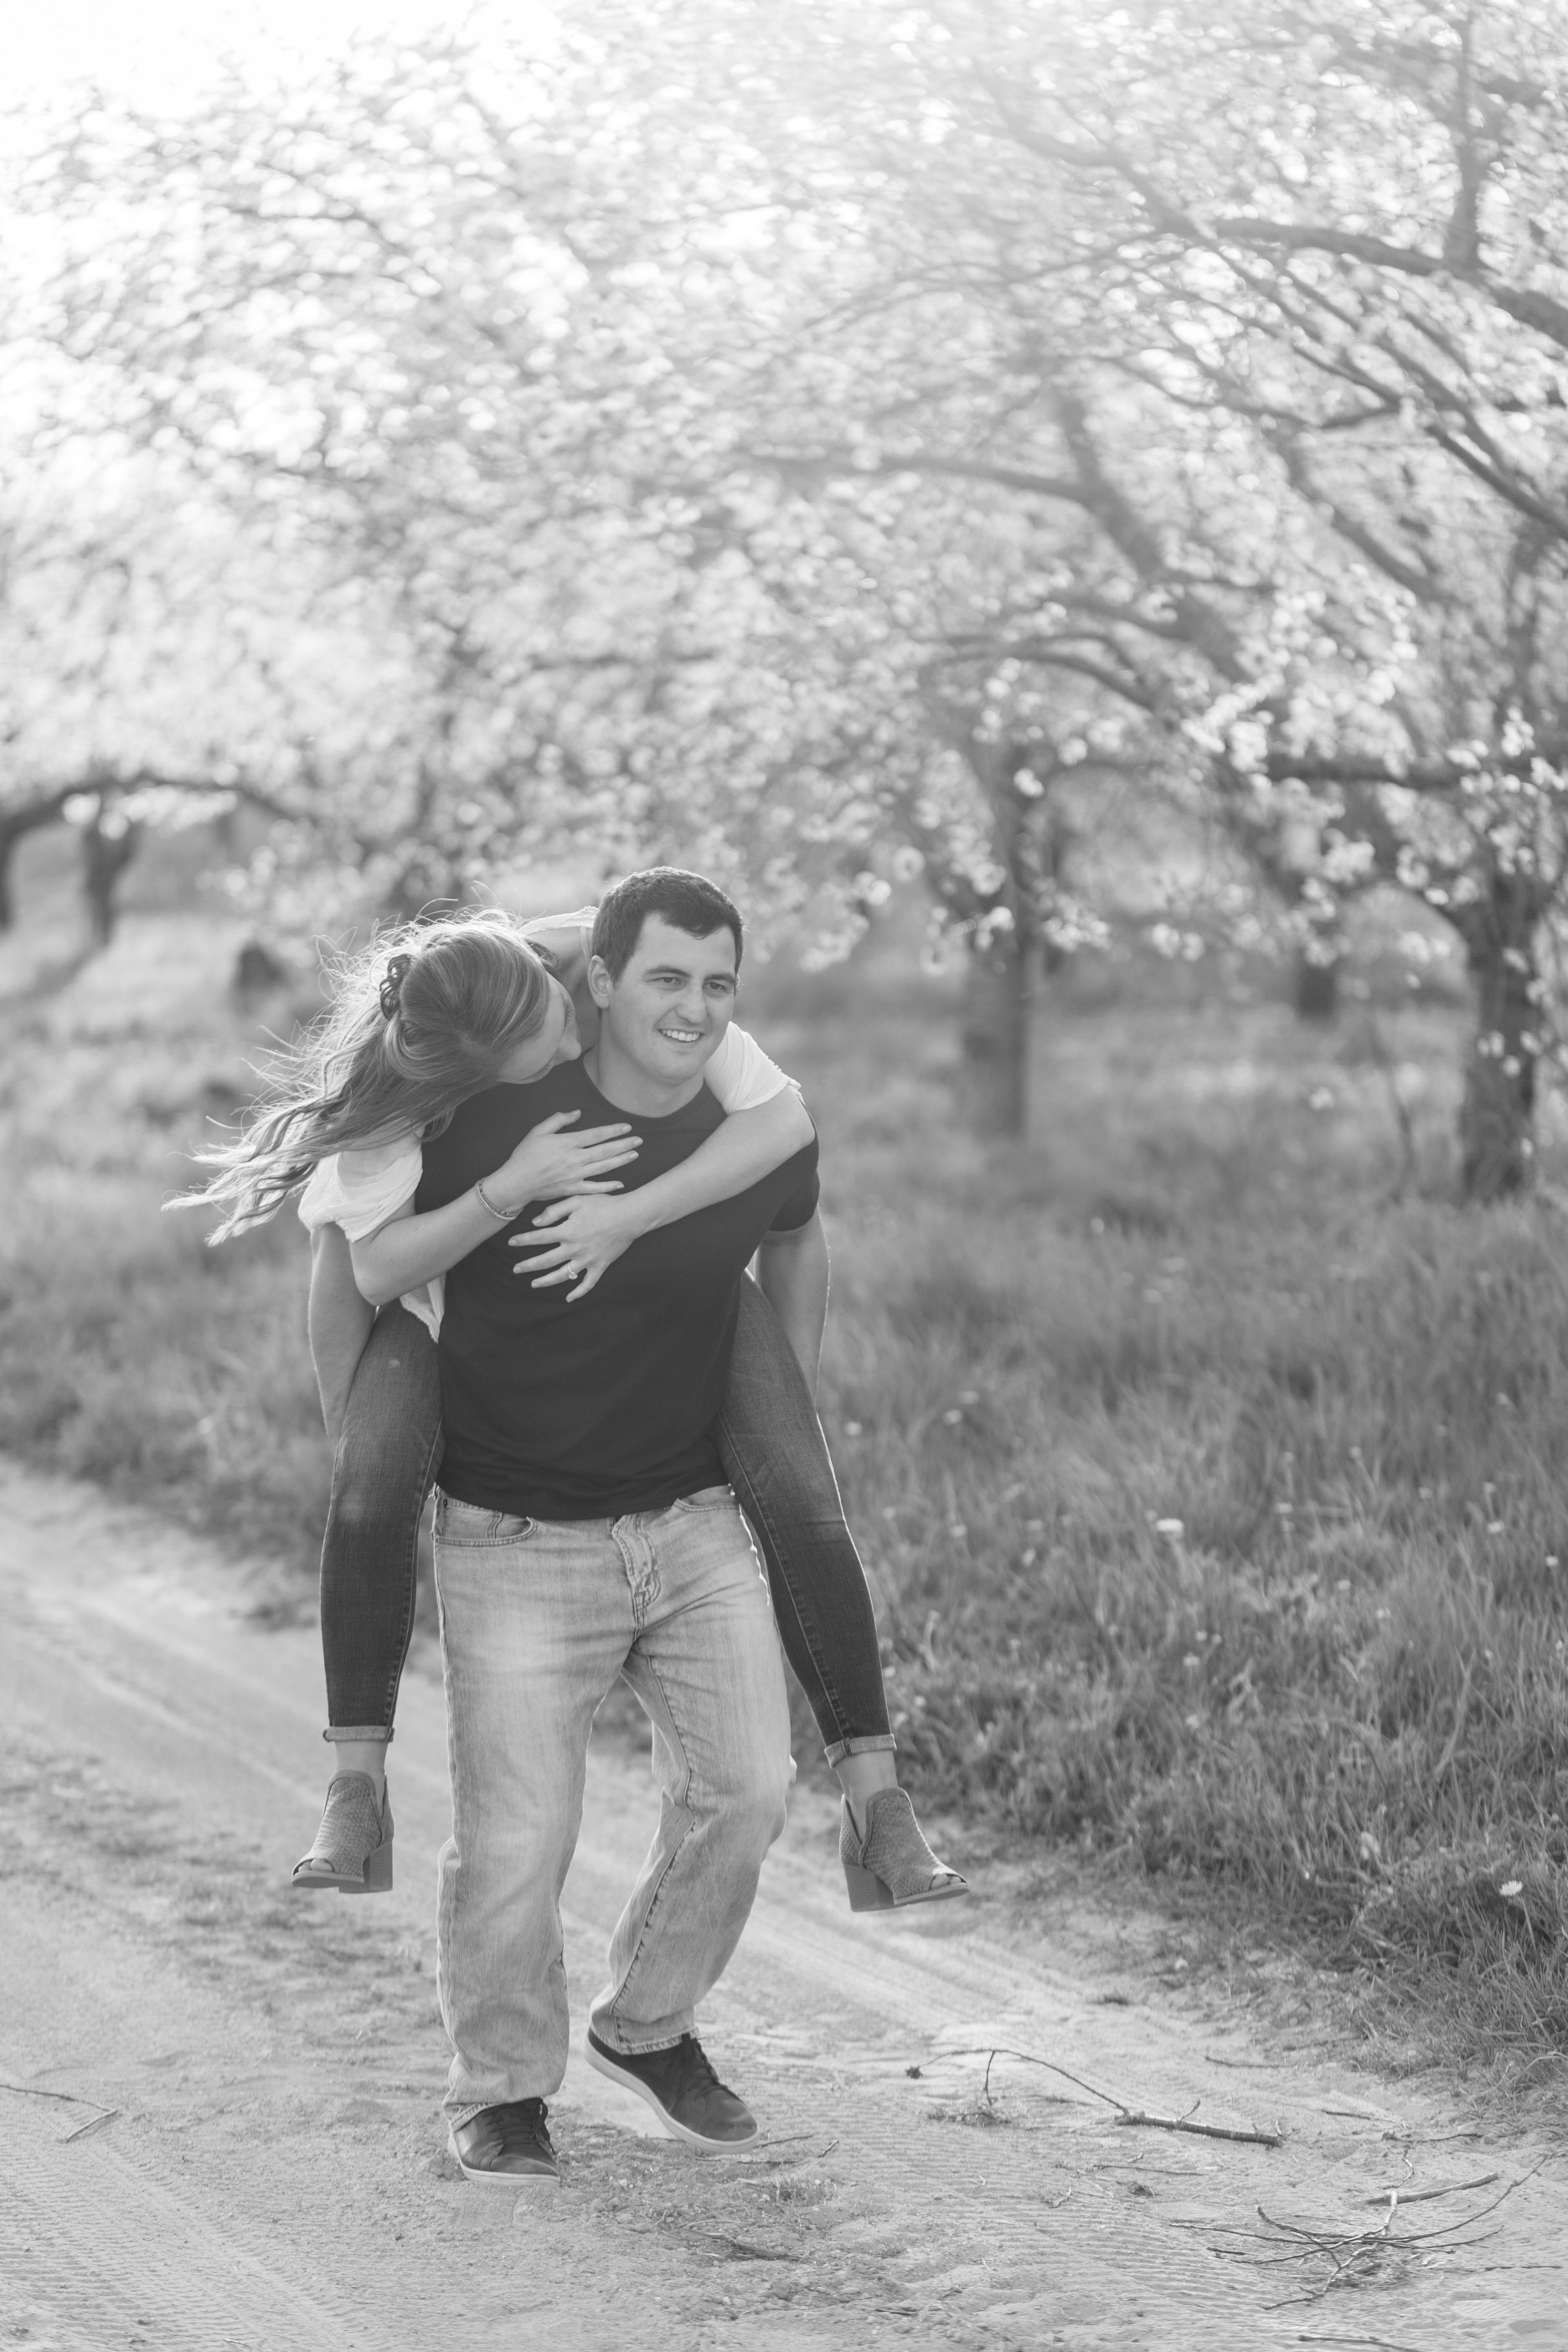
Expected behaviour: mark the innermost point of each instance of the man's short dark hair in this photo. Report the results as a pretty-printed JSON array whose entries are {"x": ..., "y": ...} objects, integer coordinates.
[{"x": 689, "y": 901}]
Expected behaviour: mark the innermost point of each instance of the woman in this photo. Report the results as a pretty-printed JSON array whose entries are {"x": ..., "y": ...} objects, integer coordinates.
[{"x": 462, "y": 1005}]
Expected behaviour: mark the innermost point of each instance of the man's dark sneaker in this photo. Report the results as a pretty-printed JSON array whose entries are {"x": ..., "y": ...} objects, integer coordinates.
[
  {"x": 508, "y": 2146},
  {"x": 683, "y": 2091}
]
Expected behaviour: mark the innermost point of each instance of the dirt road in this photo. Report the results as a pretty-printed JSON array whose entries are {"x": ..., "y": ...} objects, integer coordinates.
[{"x": 239, "y": 2144}]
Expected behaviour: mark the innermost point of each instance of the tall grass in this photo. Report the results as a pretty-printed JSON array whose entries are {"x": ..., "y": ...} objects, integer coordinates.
[
  {"x": 130, "y": 1353},
  {"x": 1213, "y": 1495}
]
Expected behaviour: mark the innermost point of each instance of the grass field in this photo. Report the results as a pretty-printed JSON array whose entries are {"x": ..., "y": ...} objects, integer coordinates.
[{"x": 1214, "y": 1496}]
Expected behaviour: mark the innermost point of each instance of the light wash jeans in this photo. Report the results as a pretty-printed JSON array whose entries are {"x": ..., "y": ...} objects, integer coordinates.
[{"x": 538, "y": 1618}]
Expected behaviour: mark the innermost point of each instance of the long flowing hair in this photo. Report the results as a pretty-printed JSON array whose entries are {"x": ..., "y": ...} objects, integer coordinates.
[{"x": 420, "y": 1020}]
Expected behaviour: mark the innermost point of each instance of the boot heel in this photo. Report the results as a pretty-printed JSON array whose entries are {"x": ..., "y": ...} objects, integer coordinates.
[
  {"x": 377, "y": 1877},
  {"x": 866, "y": 1891}
]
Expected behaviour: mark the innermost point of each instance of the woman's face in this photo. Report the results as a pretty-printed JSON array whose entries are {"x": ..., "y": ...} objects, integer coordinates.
[{"x": 555, "y": 1040}]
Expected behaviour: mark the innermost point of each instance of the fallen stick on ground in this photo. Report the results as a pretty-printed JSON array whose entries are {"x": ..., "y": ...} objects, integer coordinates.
[
  {"x": 1198, "y": 2131},
  {"x": 1363, "y": 2343},
  {"x": 71, "y": 2099},
  {"x": 93, "y": 2123},
  {"x": 746, "y": 2250},
  {"x": 1135, "y": 2116},
  {"x": 1394, "y": 2198},
  {"x": 1355, "y": 2257},
  {"x": 1425, "y": 2196}
]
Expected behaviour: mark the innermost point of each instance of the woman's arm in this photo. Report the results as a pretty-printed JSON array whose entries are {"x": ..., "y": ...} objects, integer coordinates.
[
  {"x": 578, "y": 1238},
  {"x": 339, "y": 1322},
  {"x": 560, "y": 936},
  {"x": 410, "y": 1249}
]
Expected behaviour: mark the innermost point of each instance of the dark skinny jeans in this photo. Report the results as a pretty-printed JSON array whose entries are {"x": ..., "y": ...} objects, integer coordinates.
[{"x": 773, "y": 1448}]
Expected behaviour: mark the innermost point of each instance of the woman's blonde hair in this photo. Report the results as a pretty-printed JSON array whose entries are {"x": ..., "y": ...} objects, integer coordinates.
[{"x": 421, "y": 1019}]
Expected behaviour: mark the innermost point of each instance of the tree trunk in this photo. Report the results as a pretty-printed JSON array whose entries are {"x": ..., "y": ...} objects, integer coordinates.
[
  {"x": 996, "y": 998},
  {"x": 15, "y": 828},
  {"x": 1315, "y": 992},
  {"x": 1497, "y": 1113},
  {"x": 105, "y": 856}
]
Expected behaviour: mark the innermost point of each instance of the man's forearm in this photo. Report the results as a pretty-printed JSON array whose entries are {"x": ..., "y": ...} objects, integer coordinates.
[
  {"x": 793, "y": 1275},
  {"x": 339, "y": 1323}
]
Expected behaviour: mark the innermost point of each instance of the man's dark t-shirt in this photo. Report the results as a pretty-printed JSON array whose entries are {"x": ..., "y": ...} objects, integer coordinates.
[{"x": 585, "y": 1411}]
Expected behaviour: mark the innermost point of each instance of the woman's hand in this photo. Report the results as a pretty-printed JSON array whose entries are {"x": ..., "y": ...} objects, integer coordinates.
[
  {"x": 549, "y": 1165},
  {"x": 576, "y": 1240}
]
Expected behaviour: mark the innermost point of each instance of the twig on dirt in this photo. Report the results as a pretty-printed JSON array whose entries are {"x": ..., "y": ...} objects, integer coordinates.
[
  {"x": 793, "y": 2139},
  {"x": 1248, "y": 2065},
  {"x": 1354, "y": 2256},
  {"x": 71, "y": 2099},
  {"x": 1472, "y": 2218},
  {"x": 1425, "y": 2196},
  {"x": 31, "y": 2091},
  {"x": 1326, "y": 2240},
  {"x": 93, "y": 2123},
  {"x": 744, "y": 2250},
  {"x": 1370, "y": 2343},
  {"x": 1138, "y": 2117},
  {"x": 1199, "y": 2131}
]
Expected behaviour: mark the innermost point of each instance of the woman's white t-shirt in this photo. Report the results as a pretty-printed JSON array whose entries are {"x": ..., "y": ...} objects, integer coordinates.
[{"x": 359, "y": 1190}]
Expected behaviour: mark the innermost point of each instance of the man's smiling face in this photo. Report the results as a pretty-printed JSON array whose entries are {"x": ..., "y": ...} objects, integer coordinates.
[{"x": 668, "y": 1010}]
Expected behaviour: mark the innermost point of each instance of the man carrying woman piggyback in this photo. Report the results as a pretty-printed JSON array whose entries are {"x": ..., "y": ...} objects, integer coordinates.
[{"x": 473, "y": 1332}]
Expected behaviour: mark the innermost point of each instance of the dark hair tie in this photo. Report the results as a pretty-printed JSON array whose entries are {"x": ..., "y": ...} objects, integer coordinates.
[{"x": 392, "y": 986}]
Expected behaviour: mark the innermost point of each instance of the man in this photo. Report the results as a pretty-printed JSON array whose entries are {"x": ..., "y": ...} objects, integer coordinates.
[{"x": 586, "y": 1531}]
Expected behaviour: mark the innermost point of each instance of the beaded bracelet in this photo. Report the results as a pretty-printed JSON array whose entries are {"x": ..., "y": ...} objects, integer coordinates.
[{"x": 501, "y": 1216}]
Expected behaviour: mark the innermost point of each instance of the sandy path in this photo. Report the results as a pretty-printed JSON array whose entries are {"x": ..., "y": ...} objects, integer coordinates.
[{"x": 274, "y": 2174}]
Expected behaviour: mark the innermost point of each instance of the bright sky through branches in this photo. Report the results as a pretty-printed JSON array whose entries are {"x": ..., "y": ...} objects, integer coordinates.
[{"x": 164, "y": 52}]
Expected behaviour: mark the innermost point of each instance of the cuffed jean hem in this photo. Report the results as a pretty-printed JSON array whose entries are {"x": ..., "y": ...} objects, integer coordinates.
[
  {"x": 360, "y": 1731},
  {"x": 603, "y": 2026},
  {"x": 873, "y": 1743}
]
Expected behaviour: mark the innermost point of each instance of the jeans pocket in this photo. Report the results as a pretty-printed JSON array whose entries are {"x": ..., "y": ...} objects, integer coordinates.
[
  {"x": 468, "y": 1526},
  {"x": 707, "y": 1498}
]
